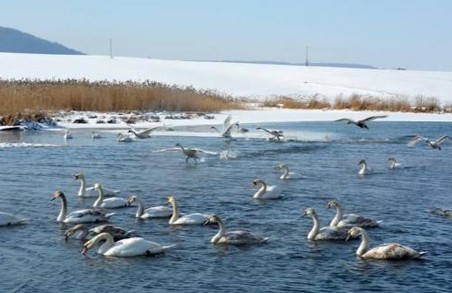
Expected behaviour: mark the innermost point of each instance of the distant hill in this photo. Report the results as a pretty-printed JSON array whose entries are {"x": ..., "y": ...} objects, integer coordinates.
[
  {"x": 15, "y": 41},
  {"x": 324, "y": 64}
]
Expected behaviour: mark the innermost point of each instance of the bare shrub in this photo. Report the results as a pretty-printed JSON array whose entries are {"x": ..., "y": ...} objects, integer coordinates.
[{"x": 426, "y": 104}]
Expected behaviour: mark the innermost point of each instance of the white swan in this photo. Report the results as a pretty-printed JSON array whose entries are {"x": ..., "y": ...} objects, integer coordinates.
[
  {"x": 349, "y": 220},
  {"x": 361, "y": 123},
  {"x": 436, "y": 144},
  {"x": 190, "y": 153},
  {"x": 238, "y": 237},
  {"x": 135, "y": 246},
  {"x": 10, "y": 220},
  {"x": 108, "y": 203},
  {"x": 266, "y": 191},
  {"x": 124, "y": 138},
  {"x": 365, "y": 170},
  {"x": 227, "y": 127},
  {"x": 286, "y": 173},
  {"x": 389, "y": 251},
  {"x": 68, "y": 134},
  {"x": 80, "y": 216},
  {"x": 84, "y": 190},
  {"x": 95, "y": 135},
  {"x": 393, "y": 164},
  {"x": 152, "y": 212},
  {"x": 143, "y": 133},
  {"x": 324, "y": 233},
  {"x": 277, "y": 134},
  {"x": 190, "y": 219}
]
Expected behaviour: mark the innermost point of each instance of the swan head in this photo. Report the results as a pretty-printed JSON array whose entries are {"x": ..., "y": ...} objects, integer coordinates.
[
  {"x": 362, "y": 162},
  {"x": 332, "y": 204},
  {"x": 78, "y": 176},
  {"x": 212, "y": 219},
  {"x": 71, "y": 231},
  {"x": 97, "y": 186},
  {"x": 131, "y": 199},
  {"x": 178, "y": 145},
  {"x": 57, "y": 194},
  {"x": 353, "y": 232},
  {"x": 171, "y": 199},
  {"x": 257, "y": 181},
  {"x": 280, "y": 166},
  {"x": 309, "y": 212}
]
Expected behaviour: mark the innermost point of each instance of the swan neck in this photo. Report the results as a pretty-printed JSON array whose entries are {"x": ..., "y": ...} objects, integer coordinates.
[
  {"x": 363, "y": 168},
  {"x": 315, "y": 228},
  {"x": 100, "y": 199},
  {"x": 109, "y": 242},
  {"x": 338, "y": 217},
  {"x": 364, "y": 246},
  {"x": 63, "y": 210},
  {"x": 260, "y": 193},
  {"x": 285, "y": 172},
  {"x": 175, "y": 214},
  {"x": 221, "y": 231},
  {"x": 82, "y": 190},
  {"x": 140, "y": 210}
]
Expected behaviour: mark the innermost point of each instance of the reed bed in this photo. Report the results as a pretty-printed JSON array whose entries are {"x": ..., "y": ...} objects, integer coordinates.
[{"x": 31, "y": 97}]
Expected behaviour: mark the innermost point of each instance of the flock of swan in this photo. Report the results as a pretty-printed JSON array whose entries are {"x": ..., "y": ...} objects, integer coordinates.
[{"x": 112, "y": 240}]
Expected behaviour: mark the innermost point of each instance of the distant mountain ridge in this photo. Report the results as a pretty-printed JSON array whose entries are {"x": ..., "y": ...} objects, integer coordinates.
[
  {"x": 15, "y": 41},
  {"x": 324, "y": 64}
]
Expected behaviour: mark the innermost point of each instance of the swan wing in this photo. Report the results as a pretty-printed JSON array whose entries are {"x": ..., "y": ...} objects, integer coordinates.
[
  {"x": 242, "y": 237},
  {"x": 204, "y": 151},
  {"x": 192, "y": 219},
  {"x": 114, "y": 202},
  {"x": 345, "y": 120},
  {"x": 149, "y": 130},
  {"x": 442, "y": 139},
  {"x": 350, "y": 220},
  {"x": 373, "y": 118},
  {"x": 158, "y": 212},
  {"x": 9, "y": 219},
  {"x": 415, "y": 140},
  {"x": 135, "y": 246},
  {"x": 167, "y": 150},
  {"x": 227, "y": 122},
  {"x": 392, "y": 251},
  {"x": 332, "y": 233}
]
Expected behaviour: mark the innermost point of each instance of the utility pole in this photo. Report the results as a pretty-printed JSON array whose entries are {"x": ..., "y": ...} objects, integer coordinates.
[
  {"x": 111, "y": 49},
  {"x": 307, "y": 56}
]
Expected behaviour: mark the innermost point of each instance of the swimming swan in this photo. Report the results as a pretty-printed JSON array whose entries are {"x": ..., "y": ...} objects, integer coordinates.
[
  {"x": 82, "y": 232},
  {"x": 84, "y": 191},
  {"x": 436, "y": 144},
  {"x": 124, "y": 138},
  {"x": 277, "y": 134},
  {"x": 238, "y": 237},
  {"x": 68, "y": 134},
  {"x": 349, "y": 220},
  {"x": 190, "y": 219},
  {"x": 393, "y": 164},
  {"x": 7, "y": 219},
  {"x": 135, "y": 246},
  {"x": 152, "y": 212},
  {"x": 80, "y": 216},
  {"x": 365, "y": 170},
  {"x": 95, "y": 135},
  {"x": 266, "y": 191},
  {"x": 389, "y": 251},
  {"x": 108, "y": 203},
  {"x": 324, "y": 233},
  {"x": 286, "y": 173},
  {"x": 361, "y": 123}
]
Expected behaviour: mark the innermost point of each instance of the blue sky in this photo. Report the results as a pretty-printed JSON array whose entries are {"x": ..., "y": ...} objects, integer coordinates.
[{"x": 413, "y": 34}]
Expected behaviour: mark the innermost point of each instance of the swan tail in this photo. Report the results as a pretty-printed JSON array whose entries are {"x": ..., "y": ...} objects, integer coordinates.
[
  {"x": 23, "y": 221},
  {"x": 109, "y": 215},
  {"x": 166, "y": 247},
  {"x": 379, "y": 222}
]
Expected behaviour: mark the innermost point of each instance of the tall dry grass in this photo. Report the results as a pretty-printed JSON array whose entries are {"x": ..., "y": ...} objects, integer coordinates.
[{"x": 33, "y": 96}]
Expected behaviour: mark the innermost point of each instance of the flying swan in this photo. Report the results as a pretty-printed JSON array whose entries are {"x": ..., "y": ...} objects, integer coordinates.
[
  {"x": 238, "y": 237},
  {"x": 361, "y": 123},
  {"x": 80, "y": 216},
  {"x": 349, "y": 220},
  {"x": 190, "y": 153},
  {"x": 144, "y": 133},
  {"x": 135, "y": 246},
  {"x": 390, "y": 251},
  {"x": 436, "y": 144},
  {"x": 277, "y": 135},
  {"x": 227, "y": 127}
]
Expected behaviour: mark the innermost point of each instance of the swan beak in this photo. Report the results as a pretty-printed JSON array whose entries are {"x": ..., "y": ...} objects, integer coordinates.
[
  {"x": 348, "y": 237},
  {"x": 53, "y": 198},
  {"x": 207, "y": 222},
  {"x": 84, "y": 251}
]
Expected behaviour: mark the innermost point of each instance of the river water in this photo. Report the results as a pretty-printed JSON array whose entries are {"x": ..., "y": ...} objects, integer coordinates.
[{"x": 35, "y": 257}]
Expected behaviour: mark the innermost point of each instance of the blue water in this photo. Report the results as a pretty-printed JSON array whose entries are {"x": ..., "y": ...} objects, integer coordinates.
[{"x": 35, "y": 257}]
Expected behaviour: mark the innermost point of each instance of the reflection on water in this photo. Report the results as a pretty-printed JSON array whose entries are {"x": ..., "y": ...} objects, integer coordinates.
[{"x": 35, "y": 257}]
